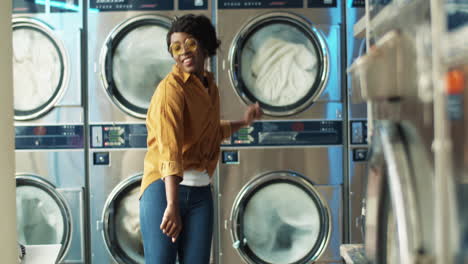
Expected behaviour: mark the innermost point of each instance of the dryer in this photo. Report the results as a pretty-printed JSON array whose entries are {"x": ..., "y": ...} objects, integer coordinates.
[
  {"x": 286, "y": 55},
  {"x": 47, "y": 62},
  {"x": 357, "y": 128},
  {"x": 127, "y": 58},
  {"x": 48, "y": 113},
  {"x": 279, "y": 187},
  {"x": 50, "y": 182},
  {"x": 115, "y": 178}
]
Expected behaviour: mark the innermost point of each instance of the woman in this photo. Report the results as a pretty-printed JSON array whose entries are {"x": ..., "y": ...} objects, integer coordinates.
[{"x": 184, "y": 136}]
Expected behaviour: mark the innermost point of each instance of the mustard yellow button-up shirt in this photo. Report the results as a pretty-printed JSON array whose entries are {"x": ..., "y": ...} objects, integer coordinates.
[{"x": 184, "y": 127}]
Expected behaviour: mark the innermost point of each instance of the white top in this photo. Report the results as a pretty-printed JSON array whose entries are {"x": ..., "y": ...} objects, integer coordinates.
[
  {"x": 41, "y": 254},
  {"x": 195, "y": 178}
]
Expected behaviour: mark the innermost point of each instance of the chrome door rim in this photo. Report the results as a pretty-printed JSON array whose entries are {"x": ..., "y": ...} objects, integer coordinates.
[
  {"x": 300, "y": 23},
  {"x": 286, "y": 176},
  {"x": 106, "y": 217},
  {"x": 47, "y": 31},
  {"x": 37, "y": 181},
  {"x": 106, "y": 52}
]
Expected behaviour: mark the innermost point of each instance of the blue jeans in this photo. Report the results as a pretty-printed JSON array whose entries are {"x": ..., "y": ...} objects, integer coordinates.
[{"x": 194, "y": 242}]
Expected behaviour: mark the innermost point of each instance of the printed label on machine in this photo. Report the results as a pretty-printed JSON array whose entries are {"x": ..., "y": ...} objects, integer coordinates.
[
  {"x": 25, "y": 6},
  {"x": 125, "y": 5},
  {"x": 234, "y": 4},
  {"x": 61, "y": 6}
]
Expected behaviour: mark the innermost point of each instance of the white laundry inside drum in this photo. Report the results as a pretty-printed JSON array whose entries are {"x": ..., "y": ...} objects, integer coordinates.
[
  {"x": 281, "y": 229},
  {"x": 39, "y": 217},
  {"x": 279, "y": 65},
  {"x": 37, "y": 69},
  {"x": 140, "y": 61},
  {"x": 127, "y": 225}
]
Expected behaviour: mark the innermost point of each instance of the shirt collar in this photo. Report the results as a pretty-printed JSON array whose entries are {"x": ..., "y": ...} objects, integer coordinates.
[
  {"x": 180, "y": 73},
  {"x": 185, "y": 75}
]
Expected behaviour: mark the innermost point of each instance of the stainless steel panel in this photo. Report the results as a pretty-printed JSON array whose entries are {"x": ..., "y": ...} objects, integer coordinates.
[
  {"x": 64, "y": 169},
  {"x": 322, "y": 165},
  {"x": 357, "y": 173},
  {"x": 75, "y": 201},
  {"x": 354, "y": 47},
  {"x": 103, "y": 180}
]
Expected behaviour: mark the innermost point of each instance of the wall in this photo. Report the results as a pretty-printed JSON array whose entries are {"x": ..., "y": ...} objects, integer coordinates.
[{"x": 8, "y": 247}]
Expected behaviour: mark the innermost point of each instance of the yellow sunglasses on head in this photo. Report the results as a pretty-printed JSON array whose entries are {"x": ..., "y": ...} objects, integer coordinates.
[{"x": 177, "y": 49}]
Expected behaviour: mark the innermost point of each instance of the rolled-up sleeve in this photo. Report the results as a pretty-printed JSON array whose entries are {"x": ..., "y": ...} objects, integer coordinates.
[
  {"x": 225, "y": 128},
  {"x": 166, "y": 118}
]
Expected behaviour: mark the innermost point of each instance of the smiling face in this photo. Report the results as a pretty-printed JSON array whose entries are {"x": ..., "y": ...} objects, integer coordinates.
[{"x": 188, "y": 56}]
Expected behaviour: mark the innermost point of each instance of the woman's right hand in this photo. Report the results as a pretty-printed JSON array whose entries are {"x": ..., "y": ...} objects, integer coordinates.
[{"x": 171, "y": 222}]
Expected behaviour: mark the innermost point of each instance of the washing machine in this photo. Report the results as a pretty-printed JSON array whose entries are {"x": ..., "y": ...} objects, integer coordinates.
[
  {"x": 399, "y": 208},
  {"x": 400, "y": 195},
  {"x": 48, "y": 113},
  {"x": 357, "y": 128},
  {"x": 128, "y": 54},
  {"x": 115, "y": 177},
  {"x": 280, "y": 194},
  {"x": 50, "y": 182},
  {"x": 285, "y": 55},
  {"x": 47, "y": 62},
  {"x": 128, "y": 57}
]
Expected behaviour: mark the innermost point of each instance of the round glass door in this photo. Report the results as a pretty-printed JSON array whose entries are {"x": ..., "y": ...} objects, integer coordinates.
[
  {"x": 42, "y": 214},
  {"x": 40, "y": 68},
  {"x": 280, "y": 61},
  {"x": 293, "y": 228},
  {"x": 121, "y": 220},
  {"x": 134, "y": 60}
]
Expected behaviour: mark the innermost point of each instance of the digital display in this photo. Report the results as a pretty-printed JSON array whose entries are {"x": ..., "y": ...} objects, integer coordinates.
[
  {"x": 49, "y": 137},
  {"x": 193, "y": 4},
  {"x": 125, "y": 5},
  {"x": 239, "y": 4},
  {"x": 322, "y": 3}
]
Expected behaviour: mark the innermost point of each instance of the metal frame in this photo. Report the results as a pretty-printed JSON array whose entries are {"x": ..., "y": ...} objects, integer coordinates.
[{"x": 48, "y": 31}]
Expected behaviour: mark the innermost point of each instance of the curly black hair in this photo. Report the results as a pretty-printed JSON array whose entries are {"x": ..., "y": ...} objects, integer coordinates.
[{"x": 200, "y": 27}]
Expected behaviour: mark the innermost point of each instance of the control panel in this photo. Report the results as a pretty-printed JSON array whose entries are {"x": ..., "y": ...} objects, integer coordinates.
[
  {"x": 292, "y": 133},
  {"x": 118, "y": 136},
  {"x": 235, "y": 4},
  {"x": 49, "y": 137}
]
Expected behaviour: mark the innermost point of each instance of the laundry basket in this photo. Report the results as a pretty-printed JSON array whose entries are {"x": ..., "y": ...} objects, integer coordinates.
[{"x": 384, "y": 72}]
